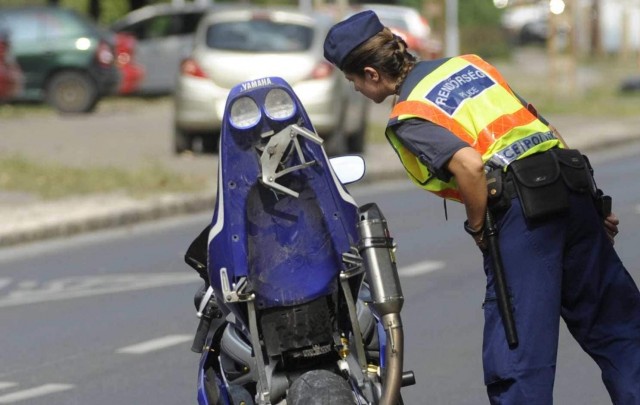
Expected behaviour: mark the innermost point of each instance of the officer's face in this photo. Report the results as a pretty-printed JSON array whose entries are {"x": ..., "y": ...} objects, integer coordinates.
[{"x": 371, "y": 84}]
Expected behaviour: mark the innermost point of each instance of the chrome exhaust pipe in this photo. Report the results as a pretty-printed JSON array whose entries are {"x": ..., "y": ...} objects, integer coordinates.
[{"x": 377, "y": 250}]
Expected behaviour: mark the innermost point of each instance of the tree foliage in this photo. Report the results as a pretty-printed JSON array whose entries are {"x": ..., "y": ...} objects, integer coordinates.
[
  {"x": 480, "y": 29},
  {"x": 104, "y": 12},
  {"x": 478, "y": 13},
  {"x": 478, "y": 22}
]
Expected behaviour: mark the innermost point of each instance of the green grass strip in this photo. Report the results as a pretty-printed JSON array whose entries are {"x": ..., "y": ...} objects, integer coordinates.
[{"x": 54, "y": 181}]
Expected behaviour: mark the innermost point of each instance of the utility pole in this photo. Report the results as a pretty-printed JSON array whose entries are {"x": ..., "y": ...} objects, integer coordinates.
[
  {"x": 625, "y": 43},
  {"x": 563, "y": 54},
  {"x": 596, "y": 42},
  {"x": 452, "y": 32},
  {"x": 94, "y": 9}
]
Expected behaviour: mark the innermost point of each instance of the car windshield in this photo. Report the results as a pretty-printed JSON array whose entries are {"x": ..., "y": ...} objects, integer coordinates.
[
  {"x": 394, "y": 21},
  {"x": 259, "y": 36},
  {"x": 34, "y": 25}
]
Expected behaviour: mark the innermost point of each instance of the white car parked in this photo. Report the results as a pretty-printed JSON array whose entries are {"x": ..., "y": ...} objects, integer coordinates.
[{"x": 233, "y": 46}]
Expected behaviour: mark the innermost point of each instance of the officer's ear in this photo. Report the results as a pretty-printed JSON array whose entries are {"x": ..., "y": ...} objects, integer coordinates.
[{"x": 371, "y": 74}]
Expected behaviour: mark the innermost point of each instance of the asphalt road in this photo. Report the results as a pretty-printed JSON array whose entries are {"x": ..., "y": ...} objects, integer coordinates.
[{"x": 107, "y": 318}]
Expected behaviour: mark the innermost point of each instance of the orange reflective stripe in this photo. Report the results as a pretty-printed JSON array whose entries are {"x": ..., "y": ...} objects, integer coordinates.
[
  {"x": 503, "y": 124},
  {"x": 433, "y": 114}
]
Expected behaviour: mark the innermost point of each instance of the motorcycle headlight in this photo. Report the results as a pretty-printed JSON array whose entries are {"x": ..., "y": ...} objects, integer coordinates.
[
  {"x": 279, "y": 105},
  {"x": 244, "y": 113}
]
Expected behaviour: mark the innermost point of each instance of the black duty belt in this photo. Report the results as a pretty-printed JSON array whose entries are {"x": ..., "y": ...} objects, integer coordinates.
[{"x": 542, "y": 181}]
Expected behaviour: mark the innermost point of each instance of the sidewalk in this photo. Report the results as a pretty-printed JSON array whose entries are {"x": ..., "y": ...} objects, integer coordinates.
[{"x": 30, "y": 221}]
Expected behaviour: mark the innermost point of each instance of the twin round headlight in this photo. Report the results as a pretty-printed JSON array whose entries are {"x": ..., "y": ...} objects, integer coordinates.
[{"x": 245, "y": 113}]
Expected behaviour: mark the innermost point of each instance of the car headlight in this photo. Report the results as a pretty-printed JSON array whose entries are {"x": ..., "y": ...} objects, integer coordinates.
[
  {"x": 244, "y": 113},
  {"x": 279, "y": 105}
]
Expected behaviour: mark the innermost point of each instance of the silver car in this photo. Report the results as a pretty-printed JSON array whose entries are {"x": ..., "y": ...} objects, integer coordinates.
[
  {"x": 233, "y": 46},
  {"x": 164, "y": 34}
]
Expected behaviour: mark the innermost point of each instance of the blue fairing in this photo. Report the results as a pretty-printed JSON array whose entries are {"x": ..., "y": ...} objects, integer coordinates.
[{"x": 289, "y": 248}]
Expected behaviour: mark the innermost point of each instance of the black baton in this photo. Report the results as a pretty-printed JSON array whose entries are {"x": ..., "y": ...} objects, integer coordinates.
[{"x": 502, "y": 295}]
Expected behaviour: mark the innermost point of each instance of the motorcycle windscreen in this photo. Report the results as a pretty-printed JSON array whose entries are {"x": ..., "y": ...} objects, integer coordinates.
[{"x": 291, "y": 253}]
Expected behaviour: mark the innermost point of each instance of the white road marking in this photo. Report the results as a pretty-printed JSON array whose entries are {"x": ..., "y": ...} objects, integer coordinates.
[
  {"x": 638, "y": 209},
  {"x": 420, "y": 268},
  {"x": 88, "y": 286},
  {"x": 7, "y": 384},
  {"x": 155, "y": 344},
  {"x": 33, "y": 393}
]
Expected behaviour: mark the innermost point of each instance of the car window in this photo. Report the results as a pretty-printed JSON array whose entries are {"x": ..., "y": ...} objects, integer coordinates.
[
  {"x": 61, "y": 25},
  {"x": 136, "y": 29},
  {"x": 162, "y": 26},
  {"x": 33, "y": 25},
  {"x": 158, "y": 27},
  {"x": 259, "y": 36},
  {"x": 395, "y": 22},
  {"x": 21, "y": 26},
  {"x": 187, "y": 23}
]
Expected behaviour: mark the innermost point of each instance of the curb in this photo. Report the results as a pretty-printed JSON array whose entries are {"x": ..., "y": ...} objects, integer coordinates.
[{"x": 76, "y": 216}]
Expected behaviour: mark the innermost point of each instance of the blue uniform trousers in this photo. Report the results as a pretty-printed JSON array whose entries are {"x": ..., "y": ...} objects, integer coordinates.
[{"x": 563, "y": 267}]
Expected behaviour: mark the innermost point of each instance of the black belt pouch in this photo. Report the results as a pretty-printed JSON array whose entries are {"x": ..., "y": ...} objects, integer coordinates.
[
  {"x": 574, "y": 170},
  {"x": 540, "y": 186}
]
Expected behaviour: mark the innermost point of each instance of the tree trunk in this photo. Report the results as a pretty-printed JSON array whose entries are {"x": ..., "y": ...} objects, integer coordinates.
[
  {"x": 135, "y": 4},
  {"x": 94, "y": 10}
]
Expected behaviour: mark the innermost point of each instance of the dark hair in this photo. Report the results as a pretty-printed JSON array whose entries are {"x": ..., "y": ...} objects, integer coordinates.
[{"x": 384, "y": 51}]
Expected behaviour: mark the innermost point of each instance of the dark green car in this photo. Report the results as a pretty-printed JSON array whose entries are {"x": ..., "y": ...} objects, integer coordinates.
[{"x": 66, "y": 59}]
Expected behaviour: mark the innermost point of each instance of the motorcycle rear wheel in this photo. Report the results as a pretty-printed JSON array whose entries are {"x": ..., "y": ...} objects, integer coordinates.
[{"x": 320, "y": 387}]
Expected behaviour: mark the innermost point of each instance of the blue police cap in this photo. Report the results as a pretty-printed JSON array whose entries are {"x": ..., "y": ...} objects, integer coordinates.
[{"x": 347, "y": 35}]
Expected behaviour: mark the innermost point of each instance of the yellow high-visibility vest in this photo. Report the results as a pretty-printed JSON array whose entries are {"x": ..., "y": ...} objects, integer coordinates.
[{"x": 470, "y": 98}]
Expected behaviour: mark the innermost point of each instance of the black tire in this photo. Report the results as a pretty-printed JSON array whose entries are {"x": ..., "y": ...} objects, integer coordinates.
[
  {"x": 72, "y": 92},
  {"x": 182, "y": 141},
  {"x": 211, "y": 388},
  {"x": 320, "y": 387},
  {"x": 240, "y": 396}
]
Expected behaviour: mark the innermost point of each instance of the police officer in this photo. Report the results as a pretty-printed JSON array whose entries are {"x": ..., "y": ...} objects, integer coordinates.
[{"x": 455, "y": 122}]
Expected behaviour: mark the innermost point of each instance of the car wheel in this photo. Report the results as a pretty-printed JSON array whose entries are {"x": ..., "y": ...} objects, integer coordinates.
[
  {"x": 72, "y": 92},
  {"x": 182, "y": 141}
]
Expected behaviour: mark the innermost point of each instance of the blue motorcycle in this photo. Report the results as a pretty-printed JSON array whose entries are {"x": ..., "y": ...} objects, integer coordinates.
[{"x": 301, "y": 299}]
